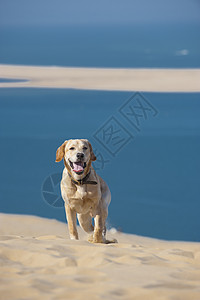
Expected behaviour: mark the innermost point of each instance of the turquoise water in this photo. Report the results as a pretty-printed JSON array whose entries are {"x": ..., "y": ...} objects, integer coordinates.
[{"x": 154, "y": 177}]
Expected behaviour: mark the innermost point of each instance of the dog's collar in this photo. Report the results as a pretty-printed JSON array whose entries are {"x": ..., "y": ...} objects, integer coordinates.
[
  {"x": 80, "y": 181},
  {"x": 83, "y": 181}
]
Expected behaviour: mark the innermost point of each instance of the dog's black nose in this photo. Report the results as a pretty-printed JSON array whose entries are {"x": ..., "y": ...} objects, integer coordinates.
[{"x": 80, "y": 155}]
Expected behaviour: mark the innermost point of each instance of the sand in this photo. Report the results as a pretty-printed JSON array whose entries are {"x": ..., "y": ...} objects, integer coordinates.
[
  {"x": 146, "y": 80},
  {"x": 39, "y": 261}
]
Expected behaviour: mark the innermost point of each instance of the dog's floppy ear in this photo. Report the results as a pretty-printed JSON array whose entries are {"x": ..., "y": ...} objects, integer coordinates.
[
  {"x": 92, "y": 156},
  {"x": 60, "y": 152}
]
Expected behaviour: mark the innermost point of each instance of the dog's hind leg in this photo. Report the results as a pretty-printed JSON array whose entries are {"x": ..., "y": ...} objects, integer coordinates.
[{"x": 85, "y": 222}]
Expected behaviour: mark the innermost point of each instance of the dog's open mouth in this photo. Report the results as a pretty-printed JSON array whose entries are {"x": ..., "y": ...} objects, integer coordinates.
[{"x": 78, "y": 166}]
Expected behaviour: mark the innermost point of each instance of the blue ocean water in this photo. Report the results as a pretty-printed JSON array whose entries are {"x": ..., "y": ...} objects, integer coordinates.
[
  {"x": 152, "y": 168},
  {"x": 154, "y": 177},
  {"x": 5, "y": 80},
  {"x": 135, "y": 46}
]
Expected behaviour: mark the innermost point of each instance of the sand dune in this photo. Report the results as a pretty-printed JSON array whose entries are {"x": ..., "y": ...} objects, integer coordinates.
[
  {"x": 38, "y": 261},
  {"x": 152, "y": 80}
]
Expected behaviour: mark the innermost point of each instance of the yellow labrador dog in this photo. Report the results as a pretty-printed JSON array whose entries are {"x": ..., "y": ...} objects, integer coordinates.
[{"x": 84, "y": 192}]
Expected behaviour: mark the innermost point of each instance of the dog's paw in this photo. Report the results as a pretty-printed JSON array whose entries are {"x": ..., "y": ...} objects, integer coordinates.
[
  {"x": 73, "y": 237},
  {"x": 90, "y": 238},
  {"x": 96, "y": 238}
]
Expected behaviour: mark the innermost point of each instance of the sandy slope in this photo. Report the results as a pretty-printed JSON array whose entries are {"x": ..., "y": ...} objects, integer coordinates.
[
  {"x": 38, "y": 261},
  {"x": 154, "y": 80}
]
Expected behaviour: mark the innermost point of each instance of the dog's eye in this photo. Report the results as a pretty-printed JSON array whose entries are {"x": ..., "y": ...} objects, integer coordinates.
[
  {"x": 72, "y": 148},
  {"x": 84, "y": 148}
]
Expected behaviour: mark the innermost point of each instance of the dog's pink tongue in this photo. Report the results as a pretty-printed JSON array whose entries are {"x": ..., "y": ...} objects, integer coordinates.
[{"x": 77, "y": 167}]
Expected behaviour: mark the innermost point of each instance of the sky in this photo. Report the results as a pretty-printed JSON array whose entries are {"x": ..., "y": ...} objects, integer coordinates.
[{"x": 65, "y": 12}]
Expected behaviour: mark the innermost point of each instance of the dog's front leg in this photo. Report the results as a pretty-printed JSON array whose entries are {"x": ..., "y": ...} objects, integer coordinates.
[
  {"x": 98, "y": 229},
  {"x": 71, "y": 220}
]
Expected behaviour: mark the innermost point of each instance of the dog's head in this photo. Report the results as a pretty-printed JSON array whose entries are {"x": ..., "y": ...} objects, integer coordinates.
[{"x": 78, "y": 155}]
